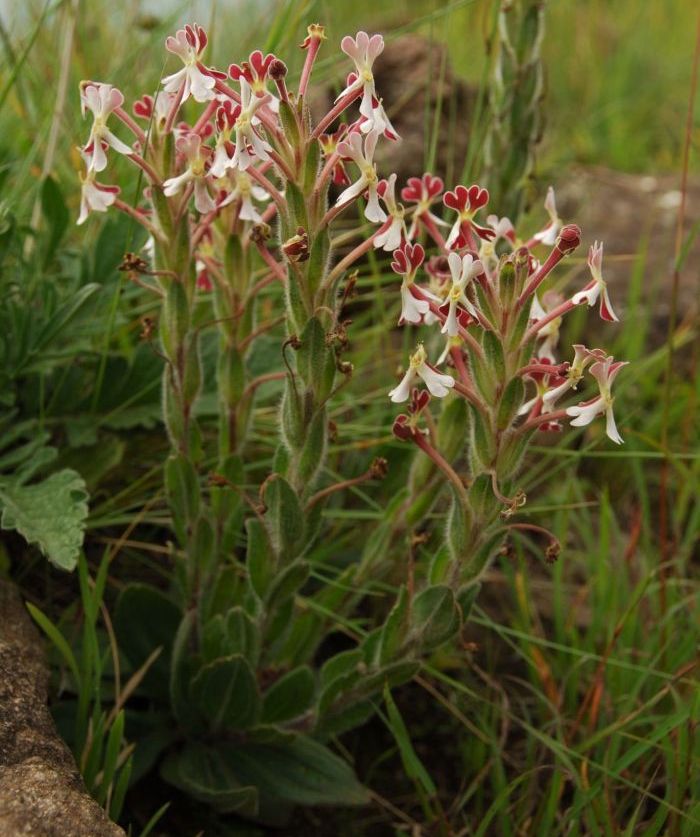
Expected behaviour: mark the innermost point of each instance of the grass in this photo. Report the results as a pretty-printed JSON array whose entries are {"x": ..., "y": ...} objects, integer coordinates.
[{"x": 572, "y": 706}]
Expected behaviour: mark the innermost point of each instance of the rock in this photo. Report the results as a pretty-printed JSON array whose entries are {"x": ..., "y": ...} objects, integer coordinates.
[
  {"x": 623, "y": 210},
  {"x": 41, "y": 791},
  {"x": 415, "y": 81}
]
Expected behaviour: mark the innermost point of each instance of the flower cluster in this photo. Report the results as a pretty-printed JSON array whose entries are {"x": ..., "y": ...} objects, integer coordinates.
[
  {"x": 470, "y": 298},
  {"x": 252, "y": 158}
]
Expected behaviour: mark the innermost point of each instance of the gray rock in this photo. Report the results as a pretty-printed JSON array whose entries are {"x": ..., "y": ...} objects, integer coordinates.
[{"x": 41, "y": 791}]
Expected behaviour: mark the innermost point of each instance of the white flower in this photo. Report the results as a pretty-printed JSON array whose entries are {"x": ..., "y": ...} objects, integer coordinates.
[
  {"x": 188, "y": 44},
  {"x": 597, "y": 287},
  {"x": 246, "y": 135},
  {"x": 245, "y": 190},
  {"x": 391, "y": 238},
  {"x": 463, "y": 269},
  {"x": 101, "y": 100},
  {"x": 412, "y": 308},
  {"x": 582, "y": 357},
  {"x": 549, "y": 333},
  {"x": 548, "y": 235},
  {"x": 438, "y": 384},
  {"x": 191, "y": 146},
  {"x": 605, "y": 372},
  {"x": 368, "y": 181},
  {"x": 363, "y": 51},
  {"x": 94, "y": 197}
]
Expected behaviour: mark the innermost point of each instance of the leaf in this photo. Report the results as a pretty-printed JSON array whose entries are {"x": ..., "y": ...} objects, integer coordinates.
[
  {"x": 50, "y": 514},
  {"x": 435, "y": 616},
  {"x": 303, "y": 772},
  {"x": 289, "y": 696},
  {"x": 205, "y": 773},
  {"x": 56, "y": 214},
  {"x": 63, "y": 316},
  {"x": 412, "y": 764},
  {"x": 145, "y": 619},
  {"x": 55, "y": 635},
  {"x": 226, "y": 694}
]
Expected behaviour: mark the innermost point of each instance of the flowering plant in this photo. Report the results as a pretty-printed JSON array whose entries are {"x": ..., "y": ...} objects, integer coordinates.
[{"x": 237, "y": 204}]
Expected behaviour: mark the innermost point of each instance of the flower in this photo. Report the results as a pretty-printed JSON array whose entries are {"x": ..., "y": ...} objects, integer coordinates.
[
  {"x": 246, "y": 135},
  {"x": 368, "y": 181},
  {"x": 101, "y": 100},
  {"x": 256, "y": 71},
  {"x": 329, "y": 146},
  {"x": 224, "y": 150},
  {"x": 391, "y": 238},
  {"x": 502, "y": 228},
  {"x": 244, "y": 190},
  {"x": 463, "y": 270},
  {"x": 423, "y": 191},
  {"x": 438, "y": 384},
  {"x": 548, "y": 234},
  {"x": 194, "y": 78},
  {"x": 94, "y": 197},
  {"x": 406, "y": 426},
  {"x": 597, "y": 287},
  {"x": 605, "y": 372},
  {"x": 582, "y": 357},
  {"x": 363, "y": 50},
  {"x": 407, "y": 259},
  {"x": 191, "y": 146},
  {"x": 466, "y": 202},
  {"x": 550, "y": 331},
  {"x": 157, "y": 109}
]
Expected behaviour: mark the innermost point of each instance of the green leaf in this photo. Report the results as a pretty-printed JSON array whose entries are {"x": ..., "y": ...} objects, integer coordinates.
[
  {"x": 435, "y": 616},
  {"x": 146, "y": 619},
  {"x": 285, "y": 517},
  {"x": 56, "y": 214},
  {"x": 50, "y": 514},
  {"x": 412, "y": 764},
  {"x": 55, "y": 635},
  {"x": 303, "y": 772},
  {"x": 287, "y": 583},
  {"x": 226, "y": 694},
  {"x": 206, "y": 774},
  {"x": 289, "y": 696}
]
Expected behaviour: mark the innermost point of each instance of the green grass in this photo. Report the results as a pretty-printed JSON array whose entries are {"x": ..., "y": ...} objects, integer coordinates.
[{"x": 572, "y": 707}]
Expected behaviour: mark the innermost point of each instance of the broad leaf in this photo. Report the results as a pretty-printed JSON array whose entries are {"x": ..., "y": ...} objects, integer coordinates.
[{"x": 50, "y": 514}]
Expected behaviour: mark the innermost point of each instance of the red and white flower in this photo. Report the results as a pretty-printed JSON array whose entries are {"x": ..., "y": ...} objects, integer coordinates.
[
  {"x": 101, "y": 100},
  {"x": 156, "y": 109},
  {"x": 438, "y": 384},
  {"x": 549, "y": 333},
  {"x": 466, "y": 203},
  {"x": 247, "y": 138},
  {"x": 194, "y": 78},
  {"x": 224, "y": 149},
  {"x": 255, "y": 71},
  {"x": 190, "y": 146},
  {"x": 363, "y": 50},
  {"x": 244, "y": 190},
  {"x": 463, "y": 270},
  {"x": 597, "y": 288},
  {"x": 94, "y": 197},
  {"x": 392, "y": 237},
  {"x": 605, "y": 372},
  {"x": 548, "y": 234},
  {"x": 368, "y": 180},
  {"x": 414, "y": 303},
  {"x": 423, "y": 191},
  {"x": 574, "y": 374}
]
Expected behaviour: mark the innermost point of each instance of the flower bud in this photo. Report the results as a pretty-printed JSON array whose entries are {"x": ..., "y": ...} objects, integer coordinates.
[
  {"x": 296, "y": 248},
  {"x": 569, "y": 239},
  {"x": 277, "y": 70}
]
